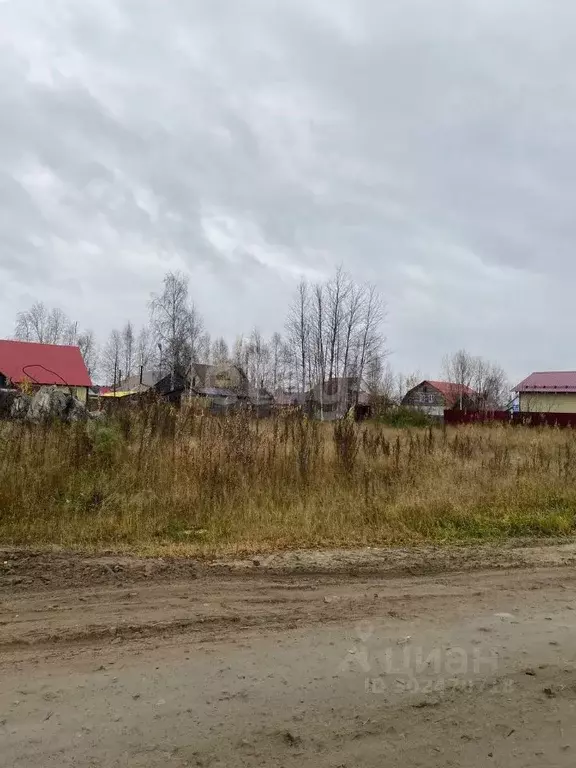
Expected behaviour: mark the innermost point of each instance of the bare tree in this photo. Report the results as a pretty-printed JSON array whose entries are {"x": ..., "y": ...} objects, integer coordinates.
[
  {"x": 176, "y": 324},
  {"x": 375, "y": 374},
  {"x": 144, "y": 351},
  {"x": 70, "y": 334},
  {"x": 111, "y": 356},
  {"x": 242, "y": 353},
  {"x": 89, "y": 350},
  {"x": 337, "y": 291},
  {"x": 46, "y": 326},
  {"x": 53, "y": 326},
  {"x": 317, "y": 334},
  {"x": 59, "y": 328},
  {"x": 486, "y": 380},
  {"x": 298, "y": 331},
  {"x": 371, "y": 339},
  {"x": 32, "y": 324},
  {"x": 259, "y": 356},
  {"x": 460, "y": 369},
  {"x": 276, "y": 362},
  {"x": 128, "y": 342},
  {"x": 220, "y": 351},
  {"x": 195, "y": 334},
  {"x": 204, "y": 347},
  {"x": 387, "y": 384},
  {"x": 334, "y": 331},
  {"x": 491, "y": 385},
  {"x": 353, "y": 317},
  {"x": 406, "y": 382},
  {"x": 289, "y": 367}
]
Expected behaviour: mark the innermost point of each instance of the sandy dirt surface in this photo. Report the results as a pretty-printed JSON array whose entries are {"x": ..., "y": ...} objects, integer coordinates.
[{"x": 427, "y": 657}]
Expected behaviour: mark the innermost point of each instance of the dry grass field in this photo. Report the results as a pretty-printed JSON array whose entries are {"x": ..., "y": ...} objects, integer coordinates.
[{"x": 163, "y": 481}]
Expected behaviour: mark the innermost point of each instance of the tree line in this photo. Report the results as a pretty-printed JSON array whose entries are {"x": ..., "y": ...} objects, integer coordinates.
[
  {"x": 332, "y": 329},
  {"x": 487, "y": 380}
]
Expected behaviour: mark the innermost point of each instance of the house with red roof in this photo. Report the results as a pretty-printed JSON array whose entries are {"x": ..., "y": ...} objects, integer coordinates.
[
  {"x": 434, "y": 397},
  {"x": 548, "y": 392},
  {"x": 35, "y": 365}
]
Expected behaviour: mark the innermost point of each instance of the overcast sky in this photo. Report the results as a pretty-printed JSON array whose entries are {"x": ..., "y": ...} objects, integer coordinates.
[{"x": 426, "y": 145}]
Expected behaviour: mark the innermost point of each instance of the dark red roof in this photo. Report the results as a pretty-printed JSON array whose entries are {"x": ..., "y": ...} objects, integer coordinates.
[
  {"x": 43, "y": 363},
  {"x": 451, "y": 391},
  {"x": 549, "y": 381}
]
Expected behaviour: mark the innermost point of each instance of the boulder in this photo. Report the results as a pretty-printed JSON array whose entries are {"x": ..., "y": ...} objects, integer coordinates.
[
  {"x": 49, "y": 403},
  {"x": 7, "y": 397},
  {"x": 55, "y": 403},
  {"x": 76, "y": 411},
  {"x": 20, "y": 406}
]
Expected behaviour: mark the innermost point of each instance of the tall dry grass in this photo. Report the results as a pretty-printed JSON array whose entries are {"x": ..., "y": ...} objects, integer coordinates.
[{"x": 163, "y": 480}]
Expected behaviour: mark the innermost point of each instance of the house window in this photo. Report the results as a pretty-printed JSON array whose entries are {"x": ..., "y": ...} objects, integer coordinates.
[{"x": 332, "y": 387}]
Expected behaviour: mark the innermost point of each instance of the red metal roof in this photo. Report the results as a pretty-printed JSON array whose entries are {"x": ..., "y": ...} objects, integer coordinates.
[
  {"x": 43, "y": 363},
  {"x": 548, "y": 381},
  {"x": 450, "y": 391}
]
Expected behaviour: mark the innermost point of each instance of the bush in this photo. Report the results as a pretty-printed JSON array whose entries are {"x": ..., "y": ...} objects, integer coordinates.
[
  {"x": 405, "y": 417},
  {"x": 106, "y": 439}
]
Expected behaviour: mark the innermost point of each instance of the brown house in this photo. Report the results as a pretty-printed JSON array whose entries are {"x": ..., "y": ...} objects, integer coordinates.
[
  {"x": 288, "y": 400},
  {"x": 434, "y": 397},
  {"x": 333, "y": 399},
  {"x": 225, "y": 376},
  {"x": 225, "y": 387}
]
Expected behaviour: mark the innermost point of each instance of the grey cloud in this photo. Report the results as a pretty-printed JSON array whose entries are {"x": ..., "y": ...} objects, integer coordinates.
[{"x": 426, "y": 146}]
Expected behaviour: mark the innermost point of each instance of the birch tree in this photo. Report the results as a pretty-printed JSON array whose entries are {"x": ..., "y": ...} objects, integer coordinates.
[
  {"x": 276, "y": 362},
  {"x": 89, "y": 350},
  {"x": 259, "y": 356},
  {"x": 45, "y": 326},
  {"x": 52, "y": 326},
  {"x": 32, "y": 324},
  {"x": 335, "y": 330},
  {"x": 127, "y": 342},
  {"x": 204, "y": 347},
  {"x": 220, "y": 351},
  {"x": 111, "y": 356},
  {"x": 176, "y": 324},
  {"x": 460, "y": 369},
  {"x": 298, "y": 334},
  {"x": 371, "y": 340},
  {"x": 337, "y": 291},
  {"x": 317, "y": 334},
  {"x": 144, "y": 349},
  {"x": 491, "y": 385}
]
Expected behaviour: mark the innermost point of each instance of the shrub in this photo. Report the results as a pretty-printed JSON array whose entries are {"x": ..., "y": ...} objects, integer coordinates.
[{"x": 405, "y": 417}]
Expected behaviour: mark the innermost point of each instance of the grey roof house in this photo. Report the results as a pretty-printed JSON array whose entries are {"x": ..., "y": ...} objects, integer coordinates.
[{"x": 333, "y": 399}]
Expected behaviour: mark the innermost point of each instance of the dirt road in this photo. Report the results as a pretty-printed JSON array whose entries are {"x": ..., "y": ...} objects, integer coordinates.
[{"x": 287, "y": 661}]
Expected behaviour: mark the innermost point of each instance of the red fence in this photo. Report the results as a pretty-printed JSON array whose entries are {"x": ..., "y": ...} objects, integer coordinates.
[
  {"x": 545, "y": 419},
  {"x": 548, "y": 419},
  {"x": 476, "y": 417}
]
